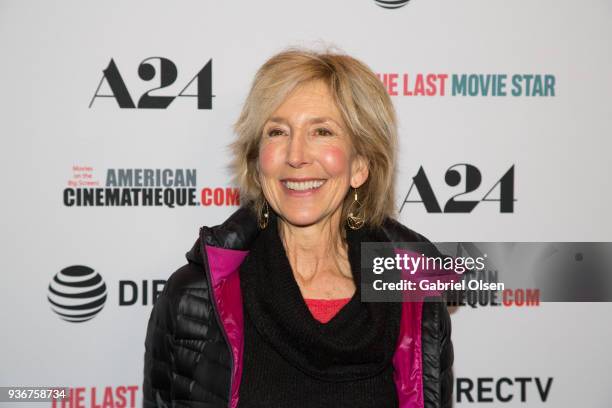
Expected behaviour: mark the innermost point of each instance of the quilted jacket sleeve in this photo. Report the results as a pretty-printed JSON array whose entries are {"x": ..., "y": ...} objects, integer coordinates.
[
  {"x": 158, "y": 358},
  {"x": 446, "y": 359},
  {"x": 437, "y": 349}
]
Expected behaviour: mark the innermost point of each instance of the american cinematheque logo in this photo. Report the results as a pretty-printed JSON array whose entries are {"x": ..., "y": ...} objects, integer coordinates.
[{"x": 150, "y": 187}]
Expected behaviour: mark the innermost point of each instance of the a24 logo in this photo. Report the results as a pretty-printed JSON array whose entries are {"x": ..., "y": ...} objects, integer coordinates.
[
  {"x": 166, "y": 76},
  {"x": 470, "y": 181}
]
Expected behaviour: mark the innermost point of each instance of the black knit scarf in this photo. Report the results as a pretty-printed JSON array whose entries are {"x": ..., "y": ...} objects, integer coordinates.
[{"x": 357, "y": 343}]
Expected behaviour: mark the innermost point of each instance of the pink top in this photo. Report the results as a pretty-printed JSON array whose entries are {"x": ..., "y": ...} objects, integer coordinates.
[{"x": 324, "y": 309}]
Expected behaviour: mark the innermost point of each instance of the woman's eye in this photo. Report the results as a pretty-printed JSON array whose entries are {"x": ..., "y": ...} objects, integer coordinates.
[
  {"x": 275, "y": 132},
  {"x": 323, "y": 132}
]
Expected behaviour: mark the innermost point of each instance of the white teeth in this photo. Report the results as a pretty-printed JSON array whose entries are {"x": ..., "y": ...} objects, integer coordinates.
[{"x": 303, "y": 185}]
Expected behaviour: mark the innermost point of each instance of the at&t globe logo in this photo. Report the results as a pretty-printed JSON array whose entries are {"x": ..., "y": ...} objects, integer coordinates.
[
  {"x": 77, "y": 293},
  {"x": 391, "y": 4}
]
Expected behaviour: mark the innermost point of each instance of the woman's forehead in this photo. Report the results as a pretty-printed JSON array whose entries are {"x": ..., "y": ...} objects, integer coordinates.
[{"x": 310, "y": 103}]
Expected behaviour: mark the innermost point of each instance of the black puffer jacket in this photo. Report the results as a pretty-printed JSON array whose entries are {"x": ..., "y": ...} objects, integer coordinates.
[{"x": 193, "y": 346}]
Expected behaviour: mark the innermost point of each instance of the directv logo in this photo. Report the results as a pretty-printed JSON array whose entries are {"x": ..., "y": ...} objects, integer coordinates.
[{"x": 77, "y": 293}]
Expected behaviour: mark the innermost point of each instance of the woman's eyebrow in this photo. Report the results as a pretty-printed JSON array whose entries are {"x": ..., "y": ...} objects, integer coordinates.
[
  {"x": 318, "y": 119},
  {"x": 278, "y": 119},
  {"x": 322, "y": 119}
]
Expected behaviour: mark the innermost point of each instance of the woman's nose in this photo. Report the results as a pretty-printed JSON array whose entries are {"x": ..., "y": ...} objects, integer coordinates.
[{"x": 297, "y": 152}]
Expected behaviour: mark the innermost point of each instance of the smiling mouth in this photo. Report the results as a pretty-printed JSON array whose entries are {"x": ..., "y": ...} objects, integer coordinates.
[{"x": 303, "y": 185}]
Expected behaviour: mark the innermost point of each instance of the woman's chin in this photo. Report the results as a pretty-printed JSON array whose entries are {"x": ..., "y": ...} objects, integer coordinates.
[{"x": 302, "y": 219}]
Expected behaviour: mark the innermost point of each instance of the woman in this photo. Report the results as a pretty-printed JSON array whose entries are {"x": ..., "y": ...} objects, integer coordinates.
[{"x": 268, "y": 312}]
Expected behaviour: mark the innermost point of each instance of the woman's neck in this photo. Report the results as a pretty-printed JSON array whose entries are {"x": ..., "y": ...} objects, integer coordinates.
[{"x": 318, "y": 257}]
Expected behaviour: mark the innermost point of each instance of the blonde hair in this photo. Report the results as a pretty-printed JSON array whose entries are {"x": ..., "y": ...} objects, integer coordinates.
[{"x": 366, "y": 109}]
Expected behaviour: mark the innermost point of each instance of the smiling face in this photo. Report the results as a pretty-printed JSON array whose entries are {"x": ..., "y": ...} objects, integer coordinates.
[{"x": 306, "y": 161}]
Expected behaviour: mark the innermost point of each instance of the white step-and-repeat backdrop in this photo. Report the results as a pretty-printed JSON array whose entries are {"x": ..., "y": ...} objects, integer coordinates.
[{"x": 514, "y": 96}]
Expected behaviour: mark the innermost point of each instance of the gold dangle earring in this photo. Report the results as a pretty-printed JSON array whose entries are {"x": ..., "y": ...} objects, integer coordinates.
[
  {"x": 264, "y": 216},
  {"x": 354, "y": 220}
]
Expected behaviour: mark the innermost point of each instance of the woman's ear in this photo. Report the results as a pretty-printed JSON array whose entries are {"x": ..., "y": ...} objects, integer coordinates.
[{"x": 359, "y": 171}]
